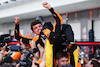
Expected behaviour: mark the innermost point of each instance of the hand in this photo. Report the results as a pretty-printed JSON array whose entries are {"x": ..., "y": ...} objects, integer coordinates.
[
  {"x": 79, "y": 52},
  {"x": 29, "y": 34},
  {"x": 46, "y": 5},
  {"x": 18, "y": 65},
  {"x": 44, "y": 41},
  {"x": 32, "y": 44},
  {"x": 5, "y": 53},
  {"x": 41, "y": 49},
  {"x": 22, "y": 45},
  {"x": 3, "y": 49},
  {"x": 16, "y": 19}
]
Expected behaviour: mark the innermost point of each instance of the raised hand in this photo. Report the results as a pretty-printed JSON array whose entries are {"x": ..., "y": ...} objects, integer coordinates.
[
  {"x": 29, "y": 34},
  {"x": 16, "y": 19},
  {"x": 46, "y": 5},
  {"x": 32, "y": 44},
  {"x": 3, "y": 50}
]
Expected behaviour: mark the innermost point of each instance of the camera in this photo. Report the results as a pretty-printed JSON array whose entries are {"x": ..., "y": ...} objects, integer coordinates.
[
  {"x": 27, "y": 61},
  {"x": 6, "y": 38}
]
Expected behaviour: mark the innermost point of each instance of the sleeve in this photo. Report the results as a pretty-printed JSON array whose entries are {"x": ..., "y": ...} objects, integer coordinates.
[
  {"x": 73, "y": 55},
  {"x": 57, "y": 18},
  {"x": 18, "y": 36}
]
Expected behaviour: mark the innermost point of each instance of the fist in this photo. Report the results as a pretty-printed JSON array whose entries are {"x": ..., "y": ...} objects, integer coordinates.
[
  {"x": 46, "y": 5},
  {"x": 16, "y": 19}
]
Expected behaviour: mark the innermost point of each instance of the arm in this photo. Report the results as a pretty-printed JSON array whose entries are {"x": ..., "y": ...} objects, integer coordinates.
[
  {"x": 56, "y": 15},
  {"x": 84, "y": 58},
  {"x": 41, "y": 49},
  {"x": 1, "y": 55},
  {"x": 3, "y": 52},
  {"x": 43, "y": 62},
  {"x": 18, "y": 35}
]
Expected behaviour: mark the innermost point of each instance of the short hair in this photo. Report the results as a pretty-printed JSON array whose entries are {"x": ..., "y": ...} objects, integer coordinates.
[
  {"x": 34, "y": 23},
  {"x": 95, "y": 63},
  {"x": 61, "y": 54}
]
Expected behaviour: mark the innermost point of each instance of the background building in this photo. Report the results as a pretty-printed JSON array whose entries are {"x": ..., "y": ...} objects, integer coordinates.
[{"x": 80, "y": 15}]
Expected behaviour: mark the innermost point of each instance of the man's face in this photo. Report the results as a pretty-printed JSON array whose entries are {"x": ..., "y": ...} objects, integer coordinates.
[
  {"x": 37, "y": 28},
  {"x": 63, "y": 61},
  {"x": 89, "y": 64}
]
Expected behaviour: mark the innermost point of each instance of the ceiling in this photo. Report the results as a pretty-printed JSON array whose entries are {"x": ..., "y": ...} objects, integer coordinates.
[{"x": 44, "y": 12}]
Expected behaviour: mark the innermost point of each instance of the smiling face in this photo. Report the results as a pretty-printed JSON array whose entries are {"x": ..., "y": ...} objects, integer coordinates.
[
  {"x": 63, "y": 61},
  {"x": 37, "y": 28}
]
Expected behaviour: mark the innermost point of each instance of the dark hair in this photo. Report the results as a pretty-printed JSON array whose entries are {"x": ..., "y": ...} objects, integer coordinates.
[
  {"x": 95, "y": 63},
  {"x": 34, "y": 23},
  {"x": 61, "y": 54}
]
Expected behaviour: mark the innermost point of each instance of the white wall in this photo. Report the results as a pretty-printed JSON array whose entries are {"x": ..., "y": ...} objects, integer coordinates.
[
  {"x": 97, "y": 30},
  {"x": 32, "y": 6},
  {"x": 24, "y": 27},
  {"x": 76, "y": 26}
]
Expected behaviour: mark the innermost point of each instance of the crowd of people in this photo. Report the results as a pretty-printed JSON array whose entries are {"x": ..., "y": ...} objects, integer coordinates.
[{"x": 53, "y": 46}]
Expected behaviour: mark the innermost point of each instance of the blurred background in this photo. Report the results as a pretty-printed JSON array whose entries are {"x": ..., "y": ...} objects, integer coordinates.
[{"x": 82, "y": 15}]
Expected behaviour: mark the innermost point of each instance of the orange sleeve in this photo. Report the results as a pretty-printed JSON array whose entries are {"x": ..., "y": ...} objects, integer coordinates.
[
  {"x": 18, "y": 36},
  {"x": 17, "y": 56},
  {"x": 57, "y": 18}
]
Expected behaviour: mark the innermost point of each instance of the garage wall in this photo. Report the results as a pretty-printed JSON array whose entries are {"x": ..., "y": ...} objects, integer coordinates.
[
  {"x": 97, "y": 30},
  {"x": 76, "y": 27}
]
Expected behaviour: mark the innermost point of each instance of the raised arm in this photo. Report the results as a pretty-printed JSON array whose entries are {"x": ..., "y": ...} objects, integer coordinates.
[
  {"x": 56, "y": 15},
  {"x": 17, "y": 33}
]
